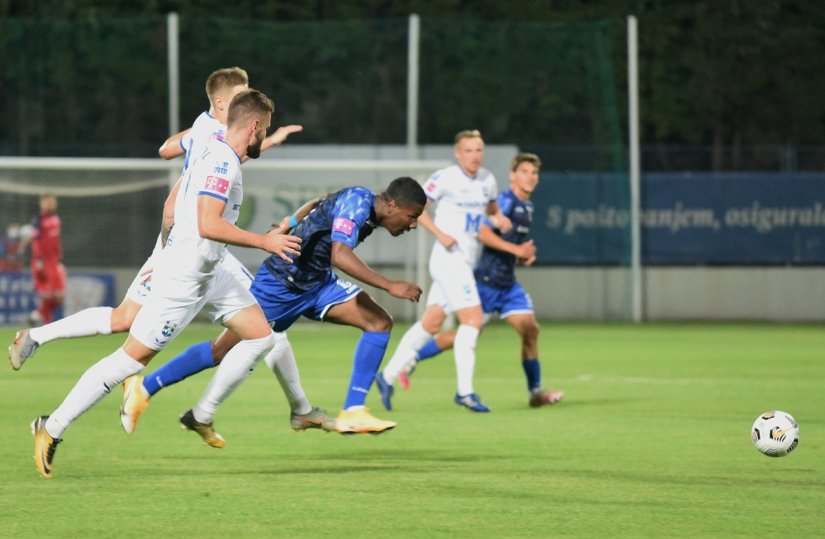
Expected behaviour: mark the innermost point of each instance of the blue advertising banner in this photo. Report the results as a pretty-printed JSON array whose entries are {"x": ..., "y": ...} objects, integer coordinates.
[
  {"x": 83, "y": 289},
  {"x": 687, "y": 219}
]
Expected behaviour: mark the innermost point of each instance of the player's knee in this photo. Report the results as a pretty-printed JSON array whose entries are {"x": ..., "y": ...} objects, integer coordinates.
[
  {"x": 381, "y": 323},
  {"x": 531, "y": 332}
]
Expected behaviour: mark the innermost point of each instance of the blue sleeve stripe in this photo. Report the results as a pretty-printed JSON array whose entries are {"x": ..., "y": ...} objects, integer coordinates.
[
  {"x": 180, "y": 143},
  {"x": 211, "y": 194}
]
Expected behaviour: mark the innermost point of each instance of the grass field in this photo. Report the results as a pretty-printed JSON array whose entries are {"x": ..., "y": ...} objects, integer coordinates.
[{"x": 652, "y": 441}]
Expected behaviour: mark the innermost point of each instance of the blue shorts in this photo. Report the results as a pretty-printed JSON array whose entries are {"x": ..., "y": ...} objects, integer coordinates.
[
  {"x": 283, "y": 305},
  {"x": 507, "y": 301}
]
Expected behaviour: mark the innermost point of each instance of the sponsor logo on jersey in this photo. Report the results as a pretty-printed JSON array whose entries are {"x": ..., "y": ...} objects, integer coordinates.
[
  {"x": 221, "y": 168},
  {"x": 344, "y": 225},
  {"x": 219, "y": 185}
]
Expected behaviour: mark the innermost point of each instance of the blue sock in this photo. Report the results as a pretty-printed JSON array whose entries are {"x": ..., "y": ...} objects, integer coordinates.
[
  {"x": 532, "y": 368},
  {"x": 428, "y": 350},
  {"x": 368, "y": 355},
  {"x": 193, "y": 360}
]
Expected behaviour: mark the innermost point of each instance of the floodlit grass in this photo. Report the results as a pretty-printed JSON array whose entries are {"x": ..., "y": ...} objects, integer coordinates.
[{"x": 652, "y": 441}]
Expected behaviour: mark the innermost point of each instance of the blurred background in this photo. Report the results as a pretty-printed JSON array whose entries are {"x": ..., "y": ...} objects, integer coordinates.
[{"x": 731, "y": 132}]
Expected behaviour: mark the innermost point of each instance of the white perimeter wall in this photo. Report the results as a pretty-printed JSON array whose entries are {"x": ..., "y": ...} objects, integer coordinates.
[{"x": 724, "y": 294}]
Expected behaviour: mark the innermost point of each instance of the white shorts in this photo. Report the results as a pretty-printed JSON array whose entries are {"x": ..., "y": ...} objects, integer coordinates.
[
  {"x": 454, "y": 286},
  {"x": 176, "y": 300},
  {"x": 142, "y": 283}
]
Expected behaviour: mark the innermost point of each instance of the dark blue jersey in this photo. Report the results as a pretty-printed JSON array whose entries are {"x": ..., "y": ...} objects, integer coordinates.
[
  {"x": 346, "y": 216},
  {"x": 497, "y": 268}
]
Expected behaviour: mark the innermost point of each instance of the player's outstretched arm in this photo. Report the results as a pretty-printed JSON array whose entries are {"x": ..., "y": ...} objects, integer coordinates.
[
  {"x": 212, "y": 226},
  {"x": 291, "y": 221},
  {"x": 280, "y": 135},
  {"x": 429, "y": 225},
  {"x": 347, "y": 261},
  {"x": 526, "y": 250},
  {"x": 171, "y": 147}
]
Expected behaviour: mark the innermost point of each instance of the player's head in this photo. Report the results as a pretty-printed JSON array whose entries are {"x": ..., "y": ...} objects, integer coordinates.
[
  {"x": 469, "y": 150},
  {"x": 48, "y": 203},
  {"x": 401, "y": 205},
  {"x": 221, "y": 86},
  {"x": 251, "y": 111},
  {"x": 524, "y": 174}
]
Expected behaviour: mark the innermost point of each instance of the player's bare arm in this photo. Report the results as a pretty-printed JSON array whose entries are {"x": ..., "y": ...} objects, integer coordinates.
[
  {"x": 168, "y": 219},
  {"x": 346, "y": 260},
  {"x": 492, "y": 240},
  {"x": 280, "y": 135},
  {"x": 499, "y": 220},
  {"x": 212, "y": 226},
  {"x": 429, "y": 225},
  {"x": 287, "y": 222},
  {"x": 171, "y": 147},
  {"x": 277, "y": 138}
]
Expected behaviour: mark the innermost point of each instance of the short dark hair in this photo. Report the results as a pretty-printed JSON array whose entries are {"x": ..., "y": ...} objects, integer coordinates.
[
  {"x": 525, "y": 157},
  {"x": 248, "y": 103},
  {"x": 406, "y": 192}
]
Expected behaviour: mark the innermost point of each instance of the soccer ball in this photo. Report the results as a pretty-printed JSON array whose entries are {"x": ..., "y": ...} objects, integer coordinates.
[{"x": 775, "y": 433}]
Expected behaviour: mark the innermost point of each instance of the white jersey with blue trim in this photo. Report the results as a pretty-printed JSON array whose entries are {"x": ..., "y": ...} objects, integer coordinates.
[
  {"x": 204, "y": 129},
  {"x": 214, "y": 172},
  {"x": 462, "y": 205}
]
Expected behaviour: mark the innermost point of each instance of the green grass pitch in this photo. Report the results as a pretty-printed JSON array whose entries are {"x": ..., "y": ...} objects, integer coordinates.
[{"x": 652, "y": 441}]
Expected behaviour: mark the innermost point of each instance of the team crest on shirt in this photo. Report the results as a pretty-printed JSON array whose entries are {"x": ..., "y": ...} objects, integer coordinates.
[{"x": 169, "y": 328}]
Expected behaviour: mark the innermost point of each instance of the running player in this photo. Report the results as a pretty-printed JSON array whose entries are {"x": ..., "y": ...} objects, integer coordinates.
[
  {"x": 189, "y": 278},
  {"x": 310, "y": 287},
  {"x": 221, "y": 86},
  {"x": 497, "y": 285},
  {"x": 465, "y": 194}
]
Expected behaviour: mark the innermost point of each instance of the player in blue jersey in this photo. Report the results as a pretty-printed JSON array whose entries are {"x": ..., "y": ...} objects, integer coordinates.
[
  {"x": 497, "y": 285},
  {"x": 310, "y": 287}
]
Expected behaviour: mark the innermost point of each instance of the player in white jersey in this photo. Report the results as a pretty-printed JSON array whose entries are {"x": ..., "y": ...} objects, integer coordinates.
[
  {"x": 221, "y": 86},
  {"x": 188, "y": 279},
  {"x": 465, "y": 194}
]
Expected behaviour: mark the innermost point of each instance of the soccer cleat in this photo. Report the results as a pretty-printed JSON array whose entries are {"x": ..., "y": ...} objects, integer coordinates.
[
  {"x": 404, "y": 375},
  {"x": 385, "y": 389},
  {"x": 361, "y": 421},
  {"x": 544, "y": 397},
  {"x": 22, "y": 348},
  {"x": 314, "y": 419},
  {"x": 44, "y": 447},
  {"x": 471, "y": 402},
  {"x": 135, "y": 402},
  {"x": 188, "y": 422}
]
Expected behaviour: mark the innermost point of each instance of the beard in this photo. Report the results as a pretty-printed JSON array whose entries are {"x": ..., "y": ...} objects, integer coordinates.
[{"x": 254, "y": 151}]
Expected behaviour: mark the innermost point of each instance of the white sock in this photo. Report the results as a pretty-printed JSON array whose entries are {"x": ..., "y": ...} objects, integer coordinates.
[
  {"x": 281, "y": 361},
  {"x": 464, "y": 350},
  {"x": 92, "y": 321},
  {"x": 233, "y": 370},
  {"x": 407, "y": 349},
  {"x": 96, "y": 382}
]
